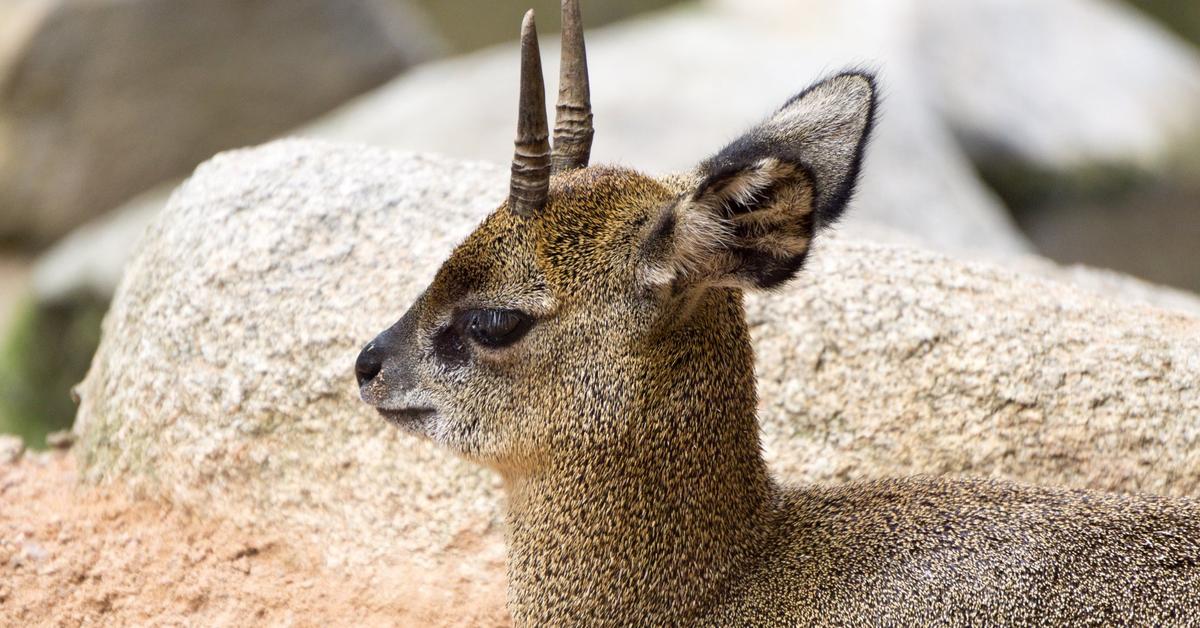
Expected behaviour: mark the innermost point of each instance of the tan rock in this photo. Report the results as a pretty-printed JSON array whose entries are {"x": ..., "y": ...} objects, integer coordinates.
[
  {"x": 11, "y": 448},
  {"x": 224, "y": 380}
]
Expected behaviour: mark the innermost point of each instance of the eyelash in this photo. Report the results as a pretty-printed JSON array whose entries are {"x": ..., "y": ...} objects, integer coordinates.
[{"x": 494, "y": 328}]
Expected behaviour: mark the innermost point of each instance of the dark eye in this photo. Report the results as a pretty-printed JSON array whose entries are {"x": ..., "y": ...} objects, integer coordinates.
[{"x": 496, "y": 328}]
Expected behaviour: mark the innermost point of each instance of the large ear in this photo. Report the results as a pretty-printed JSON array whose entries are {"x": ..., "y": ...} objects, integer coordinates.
[{"x": 749, "y": 220}]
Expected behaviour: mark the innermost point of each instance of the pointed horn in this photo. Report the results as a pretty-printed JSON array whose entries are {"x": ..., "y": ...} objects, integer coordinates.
[
  {"x": 573, "y": 117},
  {"x": 530, "y": 183}
]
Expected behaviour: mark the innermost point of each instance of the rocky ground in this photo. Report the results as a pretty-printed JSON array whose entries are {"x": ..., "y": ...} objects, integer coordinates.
[{"x": 81, "y": 556}]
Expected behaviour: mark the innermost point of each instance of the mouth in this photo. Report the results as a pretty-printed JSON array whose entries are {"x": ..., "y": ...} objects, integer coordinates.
[{"x": 407, "y": 417}]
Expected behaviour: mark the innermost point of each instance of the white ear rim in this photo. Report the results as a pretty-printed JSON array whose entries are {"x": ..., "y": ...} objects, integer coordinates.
[{"x": 832, "y": 121}]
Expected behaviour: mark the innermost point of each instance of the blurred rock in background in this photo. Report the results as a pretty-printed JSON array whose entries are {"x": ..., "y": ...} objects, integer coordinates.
[
  {"x": 101, "y": 99},
  {"x": 1058, "y": 87},
  {"x": 1085, "y": 117},
  {"x": 467, "y": 25},
  {"x": 716, "y": 69},
  {"x": 1047, "y": 101}
]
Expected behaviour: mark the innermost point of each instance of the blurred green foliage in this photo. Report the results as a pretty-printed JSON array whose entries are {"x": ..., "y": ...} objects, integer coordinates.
[
  {"x": 1026, "y": 188},
  {"x": 1181, "y": 16},
  {"x": 45, "y": 352}
]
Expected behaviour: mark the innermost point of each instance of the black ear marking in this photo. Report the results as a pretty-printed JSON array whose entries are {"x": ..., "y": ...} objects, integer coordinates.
[
  {"x": 824, "y": 130},
  {"x": 767, "y": 272},
  {"x": 660, "y": 233},
  {"x": 761, "y": 200},
  {"x": 664, "y": 227}
]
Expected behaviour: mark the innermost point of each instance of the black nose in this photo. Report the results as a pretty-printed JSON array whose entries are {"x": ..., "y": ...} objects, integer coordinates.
[{"x": 368, "y": 364}]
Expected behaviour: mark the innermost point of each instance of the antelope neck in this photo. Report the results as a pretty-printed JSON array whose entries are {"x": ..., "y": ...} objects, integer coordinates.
[{"x": 664, "y": 523}]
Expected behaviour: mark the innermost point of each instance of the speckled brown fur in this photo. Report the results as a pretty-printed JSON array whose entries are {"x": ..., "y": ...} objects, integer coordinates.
[
  {"x": 623, "y": 422},
  {"x": 928, "y": 551}
]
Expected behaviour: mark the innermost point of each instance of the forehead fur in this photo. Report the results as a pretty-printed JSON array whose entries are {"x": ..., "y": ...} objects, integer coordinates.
[{"x": 584, "y": 238}]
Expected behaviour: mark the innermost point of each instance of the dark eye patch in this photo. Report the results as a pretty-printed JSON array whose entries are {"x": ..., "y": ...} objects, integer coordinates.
[
  {"x": 494, "y": 328},
  {"x": 450, "y": 347}
]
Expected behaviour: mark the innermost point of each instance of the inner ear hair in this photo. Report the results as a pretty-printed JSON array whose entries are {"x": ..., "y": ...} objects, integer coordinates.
[
  {"x": 743, "y": 227},
  {"x": 737, "y": 189}
]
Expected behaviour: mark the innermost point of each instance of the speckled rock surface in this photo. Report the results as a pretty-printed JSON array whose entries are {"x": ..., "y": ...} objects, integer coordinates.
[
  {"x": 11, "y": 448},
  {"x": 224, "y": 380},
  {"x": 224, "y": 377},
  {"x": 888, "y": 360}
]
